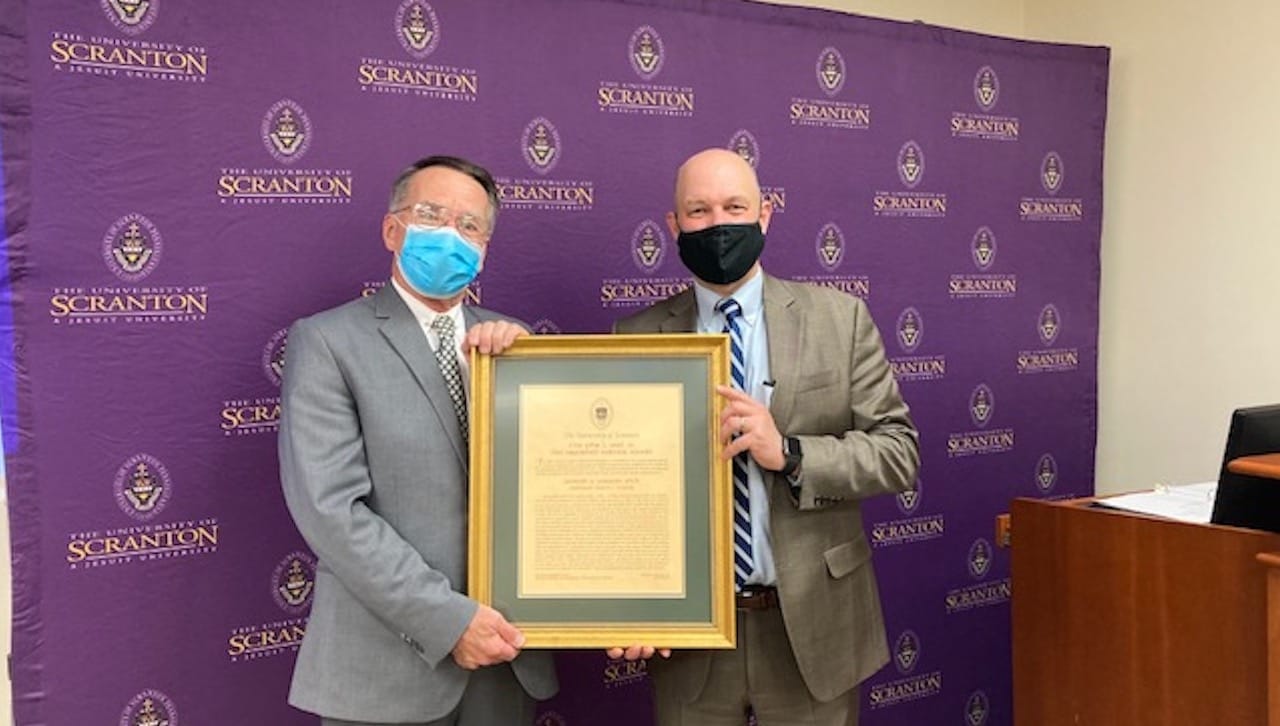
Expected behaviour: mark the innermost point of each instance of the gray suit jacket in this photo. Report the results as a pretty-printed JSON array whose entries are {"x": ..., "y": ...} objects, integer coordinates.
[
  {"x": 374, "y": 471},
  {"x": 835, "y": 392}
]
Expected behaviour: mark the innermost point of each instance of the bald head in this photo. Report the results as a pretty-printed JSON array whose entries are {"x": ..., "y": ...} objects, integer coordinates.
[{"x": 716, "y": 186}]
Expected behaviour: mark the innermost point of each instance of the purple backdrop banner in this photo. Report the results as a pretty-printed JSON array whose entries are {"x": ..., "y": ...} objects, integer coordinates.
[{"x": 183, "y": 179}]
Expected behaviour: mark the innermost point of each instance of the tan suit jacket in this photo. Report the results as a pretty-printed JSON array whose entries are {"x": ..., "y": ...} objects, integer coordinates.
[{"x": 836, "y": 393}]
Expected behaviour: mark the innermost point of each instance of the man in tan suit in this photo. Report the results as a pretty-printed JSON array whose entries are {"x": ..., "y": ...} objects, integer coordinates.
[{"x": 815, "y": 423}]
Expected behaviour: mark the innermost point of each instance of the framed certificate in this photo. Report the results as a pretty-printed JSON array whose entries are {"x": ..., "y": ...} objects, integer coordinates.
[{"x": 600, "y": 509}]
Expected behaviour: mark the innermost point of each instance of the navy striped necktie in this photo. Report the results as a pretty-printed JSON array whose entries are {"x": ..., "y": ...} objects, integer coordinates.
[{"x": 743, "y": 564}]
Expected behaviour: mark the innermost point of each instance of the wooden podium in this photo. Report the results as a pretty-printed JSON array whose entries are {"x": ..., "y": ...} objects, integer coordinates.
[
  {"x": 1266, "y": 466},
  {"x": 1127, "y": 620}
]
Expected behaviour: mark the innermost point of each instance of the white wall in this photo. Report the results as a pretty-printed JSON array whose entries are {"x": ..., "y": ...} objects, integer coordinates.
[
  {"x": 993, "y": 17},
  {"x": 6, "y": 608},
  {"x": 1190, "y": 316},
  {"x": 1190, "y": 250}
]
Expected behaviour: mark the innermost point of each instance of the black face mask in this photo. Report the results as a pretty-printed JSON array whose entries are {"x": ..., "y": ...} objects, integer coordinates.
[{"x": 721, "y": 254}]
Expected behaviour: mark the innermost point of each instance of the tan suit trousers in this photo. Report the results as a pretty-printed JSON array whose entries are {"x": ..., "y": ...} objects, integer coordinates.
[{"x": 761, "y": 673}]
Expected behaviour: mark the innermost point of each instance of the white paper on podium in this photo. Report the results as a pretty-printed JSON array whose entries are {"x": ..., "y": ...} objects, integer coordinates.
[{"x": 1185, "y": 503}]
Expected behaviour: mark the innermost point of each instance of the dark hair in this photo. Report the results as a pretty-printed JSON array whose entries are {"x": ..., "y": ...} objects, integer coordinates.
[{"x": 475, "y": 171}]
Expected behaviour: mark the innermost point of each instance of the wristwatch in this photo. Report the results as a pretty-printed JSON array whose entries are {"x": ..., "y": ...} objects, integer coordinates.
[{"x": 792, "y": 455}]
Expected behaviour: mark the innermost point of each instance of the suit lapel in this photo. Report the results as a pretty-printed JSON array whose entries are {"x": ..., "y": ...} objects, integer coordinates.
[
  {"x": 409, "y": 341},
  {"x": 785, "y": 321},
  {"x": 682, "y": 314}
]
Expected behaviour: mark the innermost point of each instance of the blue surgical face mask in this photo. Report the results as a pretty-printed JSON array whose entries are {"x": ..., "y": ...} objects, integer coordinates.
[{"x": 437, "y": 262}]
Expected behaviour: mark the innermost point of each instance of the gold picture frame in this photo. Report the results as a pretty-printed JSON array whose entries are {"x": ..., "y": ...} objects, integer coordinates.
[{"x": 600, "y": 510}]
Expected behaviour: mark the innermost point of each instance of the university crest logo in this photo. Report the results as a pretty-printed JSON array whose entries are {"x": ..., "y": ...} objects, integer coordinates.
[
  {"x": 293, "y": 582},
  {"x": 645, "y": 52},
  {"x": 744, "y": 143},
  {"x": 982, "y": 404},
  {"x": 830, "y": 246},
  {"x": 910, "y": 164},
  {"x": 976, "y": 709},
  {"x": 986, "y": 88},
  {"x": 540, "y": 144},
  {"x": 131, "y": 247},
  {"x": 545, "y": 326},
  {"x": 983, "y": 248},
  {"x": 131, "y": 17},
  {"x": 273, "y": 356},
  {"x": 979, "y": 558},
  {"x": 149, "y": 708},
  {"x": 1048, "y": 324},
  {"x": 830, "y": 71},
  {"x": 1046, "y": 473},
  {"x": 286, "y": 131},
  {"x": 142, "y": 487},
  {"x": 909, "y": 501},
  {"x": 417, "y": 28},
  {"x": 648, "y": 244},
  {"x": 910, "y": 330},
  {"x": 1051, "y": 172},
  {"x": 906, "y": 652},
  {"x": 601, "y": 413}
]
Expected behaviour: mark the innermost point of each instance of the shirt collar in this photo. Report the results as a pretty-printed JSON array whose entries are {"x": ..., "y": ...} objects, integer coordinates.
[
  {"x": 425, "y": 315},
  {"x": 750, "y": 297}
]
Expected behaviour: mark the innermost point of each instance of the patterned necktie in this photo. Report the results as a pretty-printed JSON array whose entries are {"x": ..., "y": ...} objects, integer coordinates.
[
  {"x": 743, "y": 564},
  {"x": 447, "y": 357}
]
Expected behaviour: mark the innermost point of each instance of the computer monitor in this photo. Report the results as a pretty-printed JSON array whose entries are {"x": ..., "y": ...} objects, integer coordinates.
[{"x": 1249, "y": 501}]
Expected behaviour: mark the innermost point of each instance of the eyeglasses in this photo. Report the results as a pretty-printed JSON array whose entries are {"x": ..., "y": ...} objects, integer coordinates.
[{"x": 472, "y": 228}]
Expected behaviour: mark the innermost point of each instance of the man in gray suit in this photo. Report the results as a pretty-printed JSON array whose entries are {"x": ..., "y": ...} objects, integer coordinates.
[
  {"x": 373, "y": 460},
  {"x": 815, "y": 423}
]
